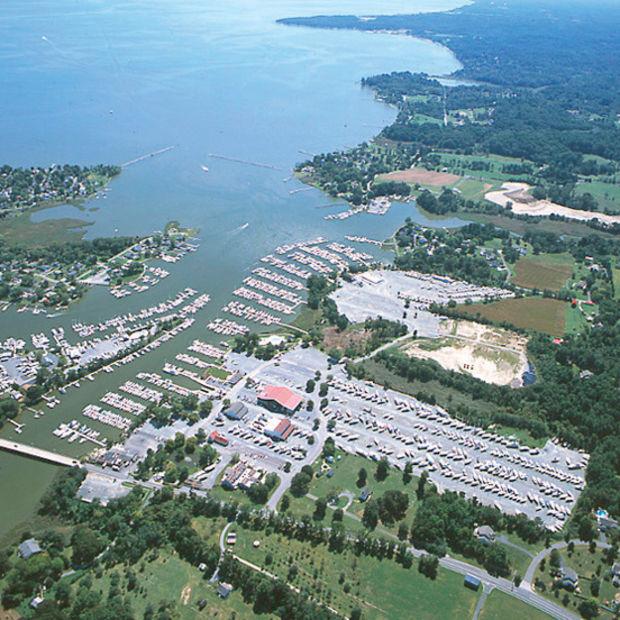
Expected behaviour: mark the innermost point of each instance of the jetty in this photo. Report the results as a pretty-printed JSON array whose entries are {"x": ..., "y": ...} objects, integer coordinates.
[
  {"x": 38, "y": 453},
  {"x": 147, "y": 156},
  {"x": 244, "y": 161}
]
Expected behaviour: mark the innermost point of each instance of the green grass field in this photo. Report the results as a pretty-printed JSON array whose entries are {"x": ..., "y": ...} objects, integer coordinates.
[
  {"x": 168, "y": 578},
  {"x": 500, "y": 606},
  {"x": 545, "y": 271},
  {"x": 381, "y": 588},
  {"x": 607, "y": 194},
  {"x": 537, "y": 313}
]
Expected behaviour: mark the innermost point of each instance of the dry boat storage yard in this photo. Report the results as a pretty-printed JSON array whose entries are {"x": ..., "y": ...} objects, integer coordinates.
[
  {"x": 491, "y": 354},
  {"x": 375, "y": 423},
  {"x": 498, "y": 471},
  {"x": 386, "y": 294}
]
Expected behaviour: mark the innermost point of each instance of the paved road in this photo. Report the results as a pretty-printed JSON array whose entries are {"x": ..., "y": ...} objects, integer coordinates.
[{"x": 486, "y": 590}]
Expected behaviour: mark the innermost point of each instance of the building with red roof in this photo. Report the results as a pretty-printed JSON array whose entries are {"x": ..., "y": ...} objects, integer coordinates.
[
  {"x": 279, "y": 428},
  {"x": 279, "y": 399}
]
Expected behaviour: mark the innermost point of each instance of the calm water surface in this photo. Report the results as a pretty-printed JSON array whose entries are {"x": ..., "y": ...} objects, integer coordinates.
[{"x": 93, "y": 81}]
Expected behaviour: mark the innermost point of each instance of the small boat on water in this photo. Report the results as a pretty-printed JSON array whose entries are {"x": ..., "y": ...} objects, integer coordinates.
[{"x": 205, "y": 168}]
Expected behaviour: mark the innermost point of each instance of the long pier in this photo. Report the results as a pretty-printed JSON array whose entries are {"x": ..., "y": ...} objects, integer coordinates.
[
  {"x": 244, "y": 161},
  {"x": 147, "y": 156},
  {"x": 38, "y": 453}
]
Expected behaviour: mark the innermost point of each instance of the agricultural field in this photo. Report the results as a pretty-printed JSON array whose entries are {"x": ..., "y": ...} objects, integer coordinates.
[
  {"x": 543, "y": 271},
  {"x": 382, "y": 589},
  {"x": 538, "y": 313},
  {"x": 465, "y": 165},
  {"x": 500, "y": 606}
]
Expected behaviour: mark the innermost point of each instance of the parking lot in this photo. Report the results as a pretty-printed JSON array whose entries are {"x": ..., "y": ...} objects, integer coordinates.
[
  {"x": 405, "y": 297},
  {"x": 498, "y": 471}
]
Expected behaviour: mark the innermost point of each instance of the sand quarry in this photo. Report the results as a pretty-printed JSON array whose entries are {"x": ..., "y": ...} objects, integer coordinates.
[
  {"x": 491, "y": 354},
  {"x": 421, "y": 176},
  {"x": 523, "y": 203}
]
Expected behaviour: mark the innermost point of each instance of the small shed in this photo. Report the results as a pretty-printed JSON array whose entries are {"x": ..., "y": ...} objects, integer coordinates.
[
  {"x": 471, "y": 582},
  {"x": 224, "y": 589}
]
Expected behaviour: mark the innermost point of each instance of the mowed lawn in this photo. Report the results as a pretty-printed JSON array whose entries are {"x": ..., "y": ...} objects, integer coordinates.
[
  {"x": 382, "y": 589},
  {"x": 546, "y": 271},
  {"x": 544, "y": 315},
  {"x": 500, "y": 606}
]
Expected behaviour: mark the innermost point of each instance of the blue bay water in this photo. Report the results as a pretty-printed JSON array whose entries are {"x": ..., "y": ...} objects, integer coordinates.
[{"x": 106, "y": 81}]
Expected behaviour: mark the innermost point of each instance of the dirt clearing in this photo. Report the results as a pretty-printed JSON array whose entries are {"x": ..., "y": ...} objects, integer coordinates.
[
  {"x": 491, "y": 354},
  {"x": 421, "y": 176}
]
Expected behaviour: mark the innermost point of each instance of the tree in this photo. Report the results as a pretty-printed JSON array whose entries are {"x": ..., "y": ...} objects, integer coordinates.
[
  {"x": 310, "y": 385},
  {"x": 403, "y": 531},
  {"x": 320, "y": 508},
  {"x": 428, "y": 565},
  {"x": 300, "y": 484},
  {"x": 586, "y": 529},
  {"x": 496, "y": 561},
  {"x": 285, "y": 503},
  {"x": 86, "y": 545},
  {"x": 588, "y": 608},
  {"x": 407, "y": 472},
  {"x": 393, "y": 506},
  {"x": 383, "y": 468},
  {"x": 62, "y": 593},
  {"x": 338, "y": 515},
  {"x": 555, "y": 559},
  {"x": 370, "y": 518},
  {"x": 595, "y": 586},
  {"x": 422, "y": 486},
  {"x": 362, "y": 477}
]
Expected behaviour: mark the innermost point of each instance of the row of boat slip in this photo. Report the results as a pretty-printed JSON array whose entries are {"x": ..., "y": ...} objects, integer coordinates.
[
  {"x": 166, "y": 384},
  {"x": 358, "y": 239},
  {"x": 332, "y": 258},
  {"x": 226, "y": 327},
  {"x": 283, "y": 249},
  {"x": 194, "y": 306},
  {"x": 351, "y": 253},
  {"x": 40, "y": 341},
  {"x": 309, "y": 261},
  {"x": 286, "y": 266},
  {"x": 140, "y": 391},
  {"x": 278, "y": 278},
  {"x": 121, "y": 321},
  {"x": 272, "y": 304},
  {"x": 263, "y": 317},
  {"x": 192, "y": 361},
  {"x": 209, "y": 350},
  {"x": 272, "y": 290},
  {"x": 94, "y": 412},
  {"x": 73, "y": 431},
  {"x": 343, "y": 215},
  {"x": 124, "y": 404}
]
